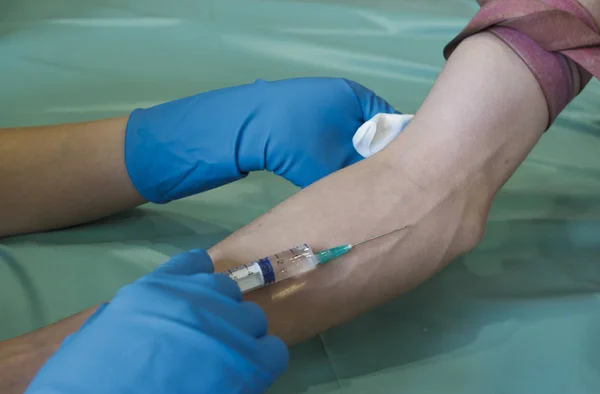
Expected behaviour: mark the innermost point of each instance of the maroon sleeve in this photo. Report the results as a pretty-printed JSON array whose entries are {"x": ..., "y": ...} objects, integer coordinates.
[{"x": 544, "y": 33}]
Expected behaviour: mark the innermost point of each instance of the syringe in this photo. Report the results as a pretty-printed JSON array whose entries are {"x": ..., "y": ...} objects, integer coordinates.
[{"x": 288, "y": 264}]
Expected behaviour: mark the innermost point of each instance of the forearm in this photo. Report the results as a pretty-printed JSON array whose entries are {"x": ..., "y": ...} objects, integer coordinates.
[
  {"x": 57, "y": 176},
  {"x": 22, "y": 357},
  {"x": 483, "y": 116}
]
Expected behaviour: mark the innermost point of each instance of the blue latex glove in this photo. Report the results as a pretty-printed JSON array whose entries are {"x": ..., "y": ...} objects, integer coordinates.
[
  {"x": 300, "y": 129},
  {"x": 177, "y": 330}
]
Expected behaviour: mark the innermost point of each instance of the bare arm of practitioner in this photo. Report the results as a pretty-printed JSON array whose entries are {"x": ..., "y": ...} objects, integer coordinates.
[{"x": 54, "y": 176}]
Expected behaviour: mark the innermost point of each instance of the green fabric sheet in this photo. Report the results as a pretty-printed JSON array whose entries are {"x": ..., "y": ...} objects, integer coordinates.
[{"x": 520, "y": 314}]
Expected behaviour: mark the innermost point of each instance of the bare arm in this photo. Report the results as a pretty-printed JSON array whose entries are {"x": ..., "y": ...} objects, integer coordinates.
[
  {"x": 23, "y": 356},
  {"x": 58, "y": 176},
  {"x": 483, "y": 116}
]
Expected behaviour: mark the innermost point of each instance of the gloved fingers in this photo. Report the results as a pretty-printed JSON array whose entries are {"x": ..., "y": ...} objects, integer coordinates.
[
  {"x": 370, "y": 103},
  {"x": 247, "y": 317},
  {"x": 183, "y": 297},
  {"x": 188, "y": 263},
  {"x": 255, "y": 321},
  {"x": 274, "y": 355},
  {"x": 220, "y": 283}
]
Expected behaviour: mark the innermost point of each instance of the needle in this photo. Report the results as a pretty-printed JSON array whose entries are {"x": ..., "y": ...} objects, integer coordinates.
[
  {"x": 340, "y": 250},
  {"x": 380, "y": 236}
]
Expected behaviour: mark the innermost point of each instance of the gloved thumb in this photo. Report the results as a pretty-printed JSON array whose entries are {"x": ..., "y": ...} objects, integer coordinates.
[
  {"x": 370, "y": 103},
  {"x": 195, "y": 261}
]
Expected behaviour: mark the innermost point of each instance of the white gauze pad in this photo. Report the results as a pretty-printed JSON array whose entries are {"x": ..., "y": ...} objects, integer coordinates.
[{"x": 378, "y": 132}]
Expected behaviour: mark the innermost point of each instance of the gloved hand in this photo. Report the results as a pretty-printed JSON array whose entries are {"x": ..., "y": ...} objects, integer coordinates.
[
  {"x": 300, "y": 129},
  {"x": 177, "y": 330}
]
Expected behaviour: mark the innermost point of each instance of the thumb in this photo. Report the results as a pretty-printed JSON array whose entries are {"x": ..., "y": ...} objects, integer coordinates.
[
  {"x": 370, "y": 103},
  {"x": 196, "y": 261}
]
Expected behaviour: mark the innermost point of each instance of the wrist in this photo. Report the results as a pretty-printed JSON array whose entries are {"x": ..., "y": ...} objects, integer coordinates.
[{"x": 168, "y": 156}]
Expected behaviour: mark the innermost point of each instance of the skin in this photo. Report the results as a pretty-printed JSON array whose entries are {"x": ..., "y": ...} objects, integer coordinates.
[
  {"x": 87, "y": 157},
  {"x": 23, "y": 356},
  {"x": 440, "y": 177}
]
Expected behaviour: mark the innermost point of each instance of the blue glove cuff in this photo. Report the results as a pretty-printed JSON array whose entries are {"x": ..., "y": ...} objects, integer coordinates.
[{"x": 170, "y": 156}]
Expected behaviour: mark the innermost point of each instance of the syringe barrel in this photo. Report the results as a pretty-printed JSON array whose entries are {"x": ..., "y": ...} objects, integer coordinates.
[{"x": 274, "y": 268}]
